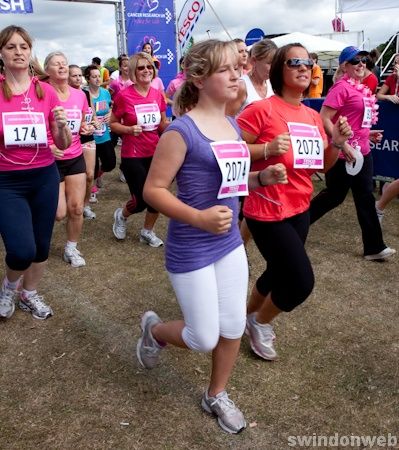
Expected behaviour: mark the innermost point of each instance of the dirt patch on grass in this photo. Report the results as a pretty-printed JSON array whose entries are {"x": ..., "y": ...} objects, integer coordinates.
[{"x": 73, "y": 381}]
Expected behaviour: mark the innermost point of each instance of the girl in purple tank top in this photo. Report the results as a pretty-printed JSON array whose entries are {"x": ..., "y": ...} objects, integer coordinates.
[{"x": 205, "y": 257}]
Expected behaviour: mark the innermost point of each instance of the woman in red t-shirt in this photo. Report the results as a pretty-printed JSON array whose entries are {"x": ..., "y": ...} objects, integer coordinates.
[{"x": 282, "y": 129}]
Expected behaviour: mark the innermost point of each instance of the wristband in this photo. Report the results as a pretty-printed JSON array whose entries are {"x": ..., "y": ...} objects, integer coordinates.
[
  {"x": 265, "y": 155},
  {"x": 260, "y": 181},
  {"x": 338, "y": 146}
]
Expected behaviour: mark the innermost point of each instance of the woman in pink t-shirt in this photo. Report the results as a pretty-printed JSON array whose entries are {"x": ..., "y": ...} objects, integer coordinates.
[
  {"x": 354, "y": 168},
  {"x": 70, "y": 162},
  {"x": 138, "y": 115},
  {"x": 28, "y": 175}
]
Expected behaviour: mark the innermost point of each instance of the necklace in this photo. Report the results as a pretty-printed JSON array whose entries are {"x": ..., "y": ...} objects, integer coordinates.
[{"x": 366, "y": 92}]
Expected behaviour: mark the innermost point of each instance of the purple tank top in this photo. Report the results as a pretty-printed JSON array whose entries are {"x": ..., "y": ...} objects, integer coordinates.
[{"x": 198, "y": 181}]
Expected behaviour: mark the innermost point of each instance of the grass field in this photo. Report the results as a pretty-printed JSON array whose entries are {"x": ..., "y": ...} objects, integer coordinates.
[{"x": 72, "y": 381}]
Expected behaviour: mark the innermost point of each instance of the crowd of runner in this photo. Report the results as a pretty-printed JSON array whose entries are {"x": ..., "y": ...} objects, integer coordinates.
[{"x": 240, "y": 129}]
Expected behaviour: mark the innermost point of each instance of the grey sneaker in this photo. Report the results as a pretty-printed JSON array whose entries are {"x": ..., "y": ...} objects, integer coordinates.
[
  {"x": 261, "y": 338},
  {"x": 230, "y": 418},
  {"x": 7, "y": 304},
  {"x": 73, "y": 257},
  {"x": 35, "y": 305},
  {"x": 384, "y": 254},
  {"x": 88, "y": 213},
  {"x": 119, "y": 226},
  {"x": 148, "y": 349},
  {"x": 150, "y": 238}
]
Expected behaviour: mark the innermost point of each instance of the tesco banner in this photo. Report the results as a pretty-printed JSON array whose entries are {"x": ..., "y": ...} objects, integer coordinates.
[{"x": 188, "y": 17}]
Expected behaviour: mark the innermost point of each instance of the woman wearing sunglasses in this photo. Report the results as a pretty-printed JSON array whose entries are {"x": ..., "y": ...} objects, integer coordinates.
[
  {"x": 354, "y": 168},
  {"x": 139, "y": 117},
  {"x": 282, "y": 129}
]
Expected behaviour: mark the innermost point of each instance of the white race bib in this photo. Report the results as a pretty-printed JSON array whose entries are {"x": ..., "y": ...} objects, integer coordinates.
[
  {"x": 148, "y": 116},
  {"x": 368, "y": 112},
  {"x": 234, "y": 162},
  {"x": 74, "y": 119},
  {"x": 307, "y": 146},
  {"x": 22, "y": 129}
]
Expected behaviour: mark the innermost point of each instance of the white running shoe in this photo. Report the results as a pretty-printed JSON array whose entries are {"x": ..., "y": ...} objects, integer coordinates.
[
  {"x": 122, "y": 177},
  {"x": 7, "y": 303},
  {"x": 230, "y": 418},
  {"x": 261, "y": 337},
  {"x": 35, "y": 305},
  {"x": 150, "y": 238},
  {"x": 93, "y": 198},
  {"x": 88, "y": 213},
  {"x": 384, "y": 254},
  {"x": 73, "y": 257},
  {"x": 119, "y": 226}
]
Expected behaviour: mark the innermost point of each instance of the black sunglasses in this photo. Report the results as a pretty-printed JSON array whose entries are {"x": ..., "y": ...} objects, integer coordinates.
[
  {"x": 294, "y": 63},
  {"x": 355, "y": 61},
  {"x": 140, "y": 68}
]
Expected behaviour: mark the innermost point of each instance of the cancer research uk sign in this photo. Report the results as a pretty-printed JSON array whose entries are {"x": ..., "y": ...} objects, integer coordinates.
[
  {"x": 153, "y": 21},
  {"x": 15, "y": 7}
]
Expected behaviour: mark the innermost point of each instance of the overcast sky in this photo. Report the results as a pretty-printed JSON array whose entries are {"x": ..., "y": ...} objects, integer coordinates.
[{"x": 86, "y": 30}]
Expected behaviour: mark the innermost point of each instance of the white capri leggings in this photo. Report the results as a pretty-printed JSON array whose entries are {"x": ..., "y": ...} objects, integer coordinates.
[{"x": 213, "y": 300}]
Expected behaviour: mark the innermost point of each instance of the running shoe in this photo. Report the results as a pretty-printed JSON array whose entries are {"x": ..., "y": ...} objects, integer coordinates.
[
  {"x": 93, "y": 197},
  {"x": 150, "y": 238},
  {"x": 119, "y": 226},
  {"x": 384, "y": 254},
  {"x": 73, "y": 257},
  {"x": 7, "y": 304},
  {"x": 122, "y": 177},
  {"x": 261, "y": 338},
  {"x": 380, "y": 213},
  {"x": 35, "y": 305},
  {"x": 148, "y": 349},
  {"x": 230, "y": 418},
  {"x": 88, "y": 213}
]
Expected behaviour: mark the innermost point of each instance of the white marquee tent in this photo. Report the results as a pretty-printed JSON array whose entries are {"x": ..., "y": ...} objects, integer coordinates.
[{"x": 327, "y": 49}]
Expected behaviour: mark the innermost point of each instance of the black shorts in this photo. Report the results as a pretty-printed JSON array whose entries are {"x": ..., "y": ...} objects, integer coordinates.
[{"x": 73, "y": 166}]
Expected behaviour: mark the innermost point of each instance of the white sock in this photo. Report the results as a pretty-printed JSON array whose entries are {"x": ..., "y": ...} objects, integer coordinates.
[
  {"x": 71, "y": 245},
  {"x": 11, "y": 284},
  {"x": 27, "y": 294}
]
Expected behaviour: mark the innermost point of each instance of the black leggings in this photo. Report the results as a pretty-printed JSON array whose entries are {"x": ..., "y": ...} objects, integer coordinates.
[
  {"x": 28, "y": 200},
  {"x": 135, "y": 171},
  {"x": 289, "y": 274},
  {"x": 105, "y": 153},
  {"x": 338, "y": 183}
]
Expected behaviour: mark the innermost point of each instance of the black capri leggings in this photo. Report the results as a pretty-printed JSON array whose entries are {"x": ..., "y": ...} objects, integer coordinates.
[
  {"x": 289, "y": 274},
  {"x": 136, "y": 171},
  {"x": 28, "y": 200},
  {"x": 105, "y": 153}
]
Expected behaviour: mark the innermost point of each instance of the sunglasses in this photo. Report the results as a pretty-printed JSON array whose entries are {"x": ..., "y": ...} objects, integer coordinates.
[
  {"x": 356, "y": 61},
  {"x": 140, "y": 68},
  {"x": 294, "y": 63}
]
